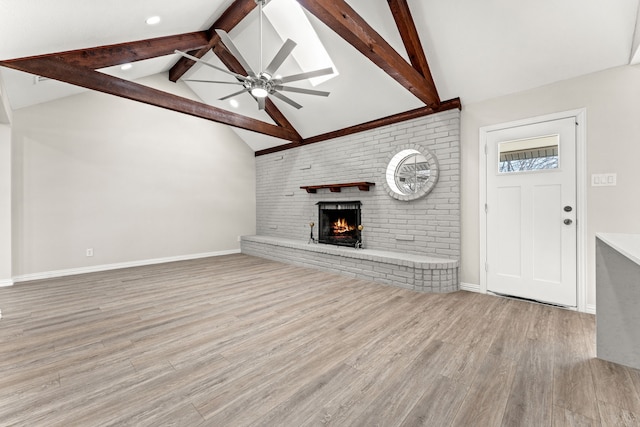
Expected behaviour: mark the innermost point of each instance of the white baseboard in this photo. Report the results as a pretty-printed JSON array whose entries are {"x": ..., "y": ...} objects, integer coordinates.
[
  {"x": 7, "y": 282},
  {"x": 106, "y": 267},
  {"x": 469, "y": 287},
  {"x": 591, "y": 309}
]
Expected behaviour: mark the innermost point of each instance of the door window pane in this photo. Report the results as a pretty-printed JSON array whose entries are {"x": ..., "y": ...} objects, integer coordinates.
[{"x": 526, "y": 155}]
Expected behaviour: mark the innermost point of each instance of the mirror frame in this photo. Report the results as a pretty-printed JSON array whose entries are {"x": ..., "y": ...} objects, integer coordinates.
[{"x": 395, "y": 158}]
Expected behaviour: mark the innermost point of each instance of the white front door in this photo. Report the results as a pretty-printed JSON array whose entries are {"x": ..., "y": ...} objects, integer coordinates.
[{"x": 531, "y": 211}]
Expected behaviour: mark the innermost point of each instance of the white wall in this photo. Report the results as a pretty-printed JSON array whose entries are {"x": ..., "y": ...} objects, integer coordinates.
[
  {"x": 5, "y": 205},
  {"x": 612, "y": 101},
  {"x": 5, "y": 108},
  {"x": 132, "y": 181}
]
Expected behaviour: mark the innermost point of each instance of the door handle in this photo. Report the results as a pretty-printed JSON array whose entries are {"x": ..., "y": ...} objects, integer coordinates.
[{"x": 568, "y": 221}]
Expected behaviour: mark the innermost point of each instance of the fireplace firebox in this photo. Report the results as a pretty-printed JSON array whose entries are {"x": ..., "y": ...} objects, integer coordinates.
[{"x": 338, "y": 223}]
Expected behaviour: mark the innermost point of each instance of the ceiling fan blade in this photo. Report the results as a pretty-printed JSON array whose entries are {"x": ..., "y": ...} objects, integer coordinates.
[
  {"x": 261, "y": 102},
  {"x": 307, "y": 75},
  {"x": 302, "y": 90},
  {"x": 282, "y": 54},
  {"x": 234, "y": 94},
  {"x": 193, "y": 58},
  {"x": 235, "y": 52},
  {"x": 213, "y": 81},
  {"x": 287, "y": 100}
]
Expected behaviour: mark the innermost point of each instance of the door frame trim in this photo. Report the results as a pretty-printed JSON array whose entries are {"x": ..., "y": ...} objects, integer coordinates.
[{"x": 580, "y": 116}]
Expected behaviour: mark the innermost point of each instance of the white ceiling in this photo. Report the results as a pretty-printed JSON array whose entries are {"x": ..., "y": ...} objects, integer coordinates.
[{"x": 476, "y": 50}]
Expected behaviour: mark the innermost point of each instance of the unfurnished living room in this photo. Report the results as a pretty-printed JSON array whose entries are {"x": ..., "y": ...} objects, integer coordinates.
[{"x": 320, "y": 213}]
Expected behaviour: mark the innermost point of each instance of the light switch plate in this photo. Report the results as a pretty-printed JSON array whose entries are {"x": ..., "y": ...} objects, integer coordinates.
[{"x": 604, "y": 179}]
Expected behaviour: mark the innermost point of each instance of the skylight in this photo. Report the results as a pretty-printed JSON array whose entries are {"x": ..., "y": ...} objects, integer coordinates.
[{"x": 290, "y": 22}]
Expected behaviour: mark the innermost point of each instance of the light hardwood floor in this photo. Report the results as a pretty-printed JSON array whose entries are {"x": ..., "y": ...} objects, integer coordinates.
[{"x": 237, "y": 340}]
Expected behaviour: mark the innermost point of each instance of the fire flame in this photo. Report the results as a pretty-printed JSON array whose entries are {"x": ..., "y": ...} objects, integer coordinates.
[{"x": 342, "y": 226}]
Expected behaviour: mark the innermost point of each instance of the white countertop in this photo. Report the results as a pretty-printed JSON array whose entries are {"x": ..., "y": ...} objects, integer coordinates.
[{"x": 627, "y": 244}]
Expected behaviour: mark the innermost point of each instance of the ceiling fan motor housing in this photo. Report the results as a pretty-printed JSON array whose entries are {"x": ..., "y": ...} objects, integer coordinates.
[{"x": 261, "y": 86}]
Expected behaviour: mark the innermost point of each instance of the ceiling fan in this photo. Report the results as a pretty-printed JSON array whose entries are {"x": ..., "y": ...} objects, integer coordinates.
[{"x": 262, "y": 84}]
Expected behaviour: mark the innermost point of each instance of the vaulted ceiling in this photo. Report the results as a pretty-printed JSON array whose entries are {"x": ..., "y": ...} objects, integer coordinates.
[{"x": 475, "y": 50}]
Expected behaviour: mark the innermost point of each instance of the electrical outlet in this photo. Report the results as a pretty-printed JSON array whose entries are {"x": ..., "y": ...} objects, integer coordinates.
[{"x": 90, "y": 252}]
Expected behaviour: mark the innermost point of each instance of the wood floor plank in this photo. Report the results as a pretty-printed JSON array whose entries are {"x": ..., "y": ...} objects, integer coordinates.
[
  {"x": 393, "y": 336},
  {"x": 565, "y": 418},
  {"x": 402, "y": 395},
  {"x": 542, "y": 323},
  {"x": 612, "y": 415},
  {"x": 349, "y": 407},
  {"x": 614, "y": 386},
  {"x": 634, "y": 374},
  {"x": 512, "y": 333},
  {"x": 389, "y": 363},
  {"x": 574, "y": 389},
  {"x": 304, "y": 402},
  {"x": 531, "y": 399},
  {"x": 253, "y": 403},
  {"x": 468, "y": 350},
  {"x": 486, "y": 400},
  {"x": 185, "y": 415},
  {"x": 589, "y": 332},
  {"x": 380, "y": 370},
  {"x": 438, "y": 405},
  {"x": 239, "y": 340}
]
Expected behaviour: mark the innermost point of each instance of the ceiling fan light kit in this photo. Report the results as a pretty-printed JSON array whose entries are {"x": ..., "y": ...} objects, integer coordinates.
[
  {"x": 259, "y": 92},
  {"x": 261, "y": 85}
]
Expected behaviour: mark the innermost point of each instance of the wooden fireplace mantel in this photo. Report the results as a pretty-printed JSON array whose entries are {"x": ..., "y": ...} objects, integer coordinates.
[{"x": 336, "y": 188}]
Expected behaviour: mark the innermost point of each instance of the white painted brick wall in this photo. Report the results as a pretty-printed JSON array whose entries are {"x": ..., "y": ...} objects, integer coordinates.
[{"x": 427, "y": 226}]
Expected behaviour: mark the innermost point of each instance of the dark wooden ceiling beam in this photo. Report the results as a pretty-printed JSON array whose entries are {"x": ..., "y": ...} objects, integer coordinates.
[
  {"x": 118, "y": 54},
  {"x": 78, "y": 68},
  {"x": 451, "y": 104},
  {"x": 229, "y": 19},
  {"x": 276, "y": 115},
  {"x": 58, "y": 69},
  {"x": 342, "y": 19},
  {"x": 407, "y": 28}
]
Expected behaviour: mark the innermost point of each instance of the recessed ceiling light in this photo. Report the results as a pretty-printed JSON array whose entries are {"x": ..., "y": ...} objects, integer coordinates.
[
  {"x": 153, "y": 20},
  {"x": 125, "y": 67},
  {"x": 234, "y": 103}
]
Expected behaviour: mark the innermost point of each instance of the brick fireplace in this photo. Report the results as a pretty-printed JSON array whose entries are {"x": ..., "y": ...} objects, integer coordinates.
[{"x": 428, "y": 227}]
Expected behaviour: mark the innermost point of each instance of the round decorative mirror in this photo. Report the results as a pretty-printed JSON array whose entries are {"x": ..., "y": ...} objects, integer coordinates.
[{"x": 411, "y": 173}]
